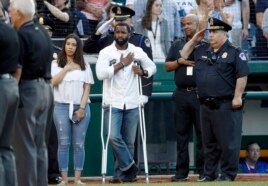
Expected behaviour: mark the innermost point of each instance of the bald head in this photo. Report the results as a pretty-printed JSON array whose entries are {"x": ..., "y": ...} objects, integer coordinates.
[
  {"x": 192, "y": 17},
  {"x": 190, "y": 23}
]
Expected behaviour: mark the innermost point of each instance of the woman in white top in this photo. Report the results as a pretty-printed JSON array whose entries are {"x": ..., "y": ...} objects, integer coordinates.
[{"x": 71, "y": 80}]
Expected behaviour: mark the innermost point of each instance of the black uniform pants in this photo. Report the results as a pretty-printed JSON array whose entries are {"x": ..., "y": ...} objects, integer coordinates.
[
  {"x": 52, "y": 150},
  {"x": 186, "y": 114},
  {"x": 221, "y": 129}
]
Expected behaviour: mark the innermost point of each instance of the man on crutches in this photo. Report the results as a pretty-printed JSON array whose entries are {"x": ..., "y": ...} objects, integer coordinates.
[{"x": 123, "y": 97}]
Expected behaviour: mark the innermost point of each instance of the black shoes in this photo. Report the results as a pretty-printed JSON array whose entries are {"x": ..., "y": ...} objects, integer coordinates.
[
  {"x": 179, "y": 178},
  {"x": 130, "y": 175},
  {"x": 54, "y": 181},
  {"x": 224, "y": 178},
  {"x": 115, "y": 180},
  {"x": 205, "y": 179}
]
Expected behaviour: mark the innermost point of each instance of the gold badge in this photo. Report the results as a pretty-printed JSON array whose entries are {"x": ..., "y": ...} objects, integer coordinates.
[
  {"x": 224, "y": 55},
  {"x": 118, "y": 11},
  {"x": 41, "y": 20},
  {"x": 211, "y": 22}
]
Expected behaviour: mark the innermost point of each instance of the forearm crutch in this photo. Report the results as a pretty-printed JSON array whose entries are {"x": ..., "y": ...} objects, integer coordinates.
[
  {"x": 142, "y": 124},
  {"x": 103, "y": 141}
]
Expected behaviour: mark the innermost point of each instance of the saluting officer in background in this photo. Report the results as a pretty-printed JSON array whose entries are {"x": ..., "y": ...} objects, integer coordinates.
[
  {"x": 9, "y": 100},
  {"x": 221, "y": 71},
  {"x": 96, "y": 42}
]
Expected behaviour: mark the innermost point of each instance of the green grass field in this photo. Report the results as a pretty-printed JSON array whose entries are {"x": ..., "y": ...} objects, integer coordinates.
[{"x": 244, "y": 183}]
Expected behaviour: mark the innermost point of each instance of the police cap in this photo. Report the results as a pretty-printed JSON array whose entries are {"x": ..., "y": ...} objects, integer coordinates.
[
  {"x": 216, "y": 24},
  {"x": 122, "y": 13},
  {"x": 47, "y": 23}
]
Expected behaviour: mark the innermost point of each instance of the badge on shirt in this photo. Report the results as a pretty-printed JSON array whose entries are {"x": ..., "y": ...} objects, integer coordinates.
[
  {"x": 189, "y": 71},
  {"x": 242, "y": 56},
  {"x": 224, "y": 55}
]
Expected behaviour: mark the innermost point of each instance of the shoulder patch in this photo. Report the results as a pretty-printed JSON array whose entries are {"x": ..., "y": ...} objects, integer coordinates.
[
  {"x": 147, "y": 42},
  {"x": 242, "y": 56}
]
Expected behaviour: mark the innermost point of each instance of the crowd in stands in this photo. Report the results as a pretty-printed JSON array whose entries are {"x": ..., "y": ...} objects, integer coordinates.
[{"x": 84, "y": 17}]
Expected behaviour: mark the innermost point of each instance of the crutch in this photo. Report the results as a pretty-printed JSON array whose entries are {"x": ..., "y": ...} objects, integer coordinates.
[
  {"x": 106, "y": 142},
  {"x": 142, "y": 124}
]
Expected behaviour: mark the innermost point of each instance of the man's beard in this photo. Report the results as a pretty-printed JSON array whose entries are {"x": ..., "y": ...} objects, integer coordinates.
[{"x": 121, "y": 42}]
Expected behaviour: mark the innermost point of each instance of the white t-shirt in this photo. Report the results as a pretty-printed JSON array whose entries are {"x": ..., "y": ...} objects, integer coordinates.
[{"x": 70, "y": 90}]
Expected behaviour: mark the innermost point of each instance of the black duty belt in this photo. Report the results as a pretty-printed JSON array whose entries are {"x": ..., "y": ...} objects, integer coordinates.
[
  {"x": 6, "y": 76},
  {"x": 188, "y": 89},
  {"x": 214, "y": 103},
  {"x": 222, "y": 98}
]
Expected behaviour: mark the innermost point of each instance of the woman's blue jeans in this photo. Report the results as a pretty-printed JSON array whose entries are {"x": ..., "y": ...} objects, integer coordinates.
[
  {"x": 70, "y": 133},
  {"x": 122, "y": 137}
]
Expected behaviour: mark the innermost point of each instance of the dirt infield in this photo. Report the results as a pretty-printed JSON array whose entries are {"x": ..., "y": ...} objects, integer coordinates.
[{"x": 166, "y": 178}]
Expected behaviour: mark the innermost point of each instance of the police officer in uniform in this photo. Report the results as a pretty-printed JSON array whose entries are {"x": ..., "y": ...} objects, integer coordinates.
[
  {"x": 186, "y": 104},
  {"x": 9, "y": 100},
  {"x": 53, "y": 173},
  {"x": 35, "y": 92},
  {"x": 221, "y": 71},
  {"x": 96, "y": 42}
]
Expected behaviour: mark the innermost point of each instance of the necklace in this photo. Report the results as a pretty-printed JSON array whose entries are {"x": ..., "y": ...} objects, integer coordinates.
[{"x": 156, "y": 27}]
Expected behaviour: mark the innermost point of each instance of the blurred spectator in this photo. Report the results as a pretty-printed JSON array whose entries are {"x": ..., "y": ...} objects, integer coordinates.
[
  {"x": 169, "y": 12},
  {"x": 265, "y": 24},
  {"x": 128, "y": 3},
  {"x": 261, "y": 42},
  {"x": 4, "y": 14},
  {"x": 211, "y": 8},
  {"x": 240, "y": 11},
  {"x": 155, "y": 28},
  {"x": 93, "y": 10},
  {"x": 252, "y": 164},
  {"x": 82, "y": 24},
  {"x": 61, "y": 15},
  {"x": 186, "y": 5},
  {"x": 249, "y": 44}
]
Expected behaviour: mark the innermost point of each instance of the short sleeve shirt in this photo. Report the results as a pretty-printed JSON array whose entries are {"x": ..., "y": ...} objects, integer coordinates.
[
  {"x": 218, "y": 78},
  {"x": 180, "y": 77}
]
